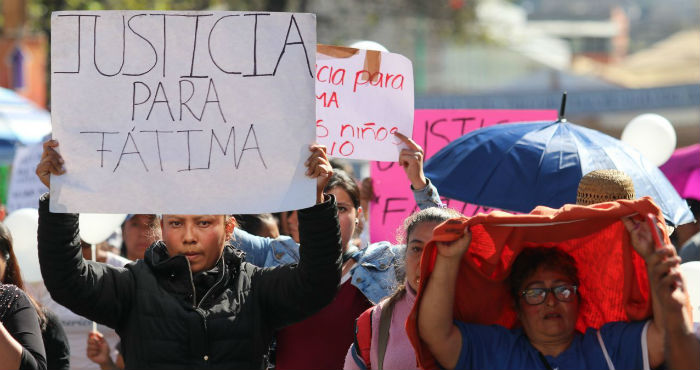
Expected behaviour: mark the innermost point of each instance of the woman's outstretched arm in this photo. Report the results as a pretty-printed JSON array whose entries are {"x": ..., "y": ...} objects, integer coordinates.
[
  {"x": 96, "y": 291},
  {"x": 435, "y": 315},
  {"x": 660, "y": 262}
]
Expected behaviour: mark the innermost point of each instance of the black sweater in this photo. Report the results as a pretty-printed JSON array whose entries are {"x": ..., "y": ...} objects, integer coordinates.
[{"x": 227, "y": 322}]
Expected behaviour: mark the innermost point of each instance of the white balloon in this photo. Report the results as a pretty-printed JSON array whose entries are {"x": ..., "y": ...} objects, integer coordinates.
[
  {"x": 369, "y": 45},
  {"x": 23, "y": 224},
  {"x": 691, "y": 276},
  {"x": 97, "y": 227},
  {"x": 653, "y": 135}
]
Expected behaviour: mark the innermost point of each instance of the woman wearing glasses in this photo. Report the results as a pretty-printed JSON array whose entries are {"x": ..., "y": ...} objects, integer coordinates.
[{"x": 544, "y": 286}]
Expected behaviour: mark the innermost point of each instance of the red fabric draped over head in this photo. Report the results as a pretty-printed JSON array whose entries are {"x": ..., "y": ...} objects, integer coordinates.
[{"x": 613, "y": 277}]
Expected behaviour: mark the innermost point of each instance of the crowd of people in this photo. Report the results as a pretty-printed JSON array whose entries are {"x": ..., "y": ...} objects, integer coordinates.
[{"x": 305, "y": 290}]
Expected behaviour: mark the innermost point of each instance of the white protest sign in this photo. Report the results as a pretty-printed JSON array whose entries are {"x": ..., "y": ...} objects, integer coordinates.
[
  {"x": 362, "y": 98},
  {"x": 25, "y": 187},
  {"x": 182, "y": 112}
]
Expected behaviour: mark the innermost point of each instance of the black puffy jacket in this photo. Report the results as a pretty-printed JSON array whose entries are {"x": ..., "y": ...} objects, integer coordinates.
[{"x": 164, "y": 322}]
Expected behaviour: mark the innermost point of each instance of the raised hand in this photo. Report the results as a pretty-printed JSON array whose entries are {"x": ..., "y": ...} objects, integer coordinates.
[
  {"x": 665, "y": 276},
  {"x": 318, "y": 167},
  {"x": 98, "y": 350},
  {"x": 51, "y": 163},
  {"x": 455, "y": 249},
  {"x": 411, "y": 160},
  {"x": 640, "y": 236}
]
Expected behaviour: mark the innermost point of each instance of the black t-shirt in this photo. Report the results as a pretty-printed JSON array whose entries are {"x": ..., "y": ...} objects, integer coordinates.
[{"x": 19, "y": 317}]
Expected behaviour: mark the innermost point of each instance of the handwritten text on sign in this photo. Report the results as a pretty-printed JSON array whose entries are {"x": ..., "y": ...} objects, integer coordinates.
[
  {"x": 432, "y": 130},
  {"x": 182, "y": 112},
  {"x": 362, "y": 98}
]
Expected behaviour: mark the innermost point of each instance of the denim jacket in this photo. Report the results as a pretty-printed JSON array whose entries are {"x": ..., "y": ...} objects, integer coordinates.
[
  {"x": 427, "y": 197},
  {"x": 266, "y": 252},
  {"x": 374, "y": 272}
]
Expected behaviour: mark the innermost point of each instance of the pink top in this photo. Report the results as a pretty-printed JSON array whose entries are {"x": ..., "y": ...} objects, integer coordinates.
[{"x": 399, "y": 351}]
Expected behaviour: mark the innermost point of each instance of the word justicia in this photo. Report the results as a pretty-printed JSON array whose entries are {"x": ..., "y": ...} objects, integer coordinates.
[{"x": 183, "y": 44}]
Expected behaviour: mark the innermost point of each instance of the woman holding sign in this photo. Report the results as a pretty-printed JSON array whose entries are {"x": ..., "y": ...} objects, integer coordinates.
[{"x": 192, "y": 302}]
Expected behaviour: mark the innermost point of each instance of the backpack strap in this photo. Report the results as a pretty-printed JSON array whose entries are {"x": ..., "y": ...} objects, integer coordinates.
[
  {"x": 383, "y": 340},
  {"x": 363, "y": 339},
  {"x": 645, "y": 347},
  {"x": 605, "y": 351}
]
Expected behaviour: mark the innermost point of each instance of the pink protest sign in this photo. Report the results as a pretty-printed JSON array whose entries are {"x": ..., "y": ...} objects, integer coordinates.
[{"x": 432, "y": 129}]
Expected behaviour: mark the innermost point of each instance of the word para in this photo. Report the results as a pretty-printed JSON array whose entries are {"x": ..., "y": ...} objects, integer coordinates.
[{"x": 186, "y": 90}]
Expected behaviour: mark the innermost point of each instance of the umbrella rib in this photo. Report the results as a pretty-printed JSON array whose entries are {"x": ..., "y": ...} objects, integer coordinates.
[
  {"x": 493, "y": 170},
  {"x": 653, "y": 184},
  {"x": 543, "y": 155},
  {"x": 544, "y": 152}
]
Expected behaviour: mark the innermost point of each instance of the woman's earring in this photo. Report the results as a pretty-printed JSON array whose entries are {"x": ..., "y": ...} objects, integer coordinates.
[{"x": 357, "y": 221}]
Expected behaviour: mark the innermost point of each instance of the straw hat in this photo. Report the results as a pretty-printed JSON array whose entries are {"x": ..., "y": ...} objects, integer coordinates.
[{"x": 604, "y": 186}]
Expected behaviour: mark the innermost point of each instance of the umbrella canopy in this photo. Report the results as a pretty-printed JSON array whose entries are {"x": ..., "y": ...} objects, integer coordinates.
[
  {"x": 20, "y": 122},
  {"x": 683, "y": 171},
  {"x": 520, "y": 166}
]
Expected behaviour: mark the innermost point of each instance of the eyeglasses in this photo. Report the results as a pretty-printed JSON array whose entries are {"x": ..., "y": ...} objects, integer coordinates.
[{"x": 563, "y": 293}]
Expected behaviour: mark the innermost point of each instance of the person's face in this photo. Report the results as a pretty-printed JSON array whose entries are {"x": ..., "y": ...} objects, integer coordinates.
[
  {"x": 293, "y": 225},
  {"x": 347, "y": 214},
  {"x": 200, "y": 238},
  {"x": 551, "y": 319},
  {"x": 269, "y": 228},
  {"x": 415, "y": 242},
  {"x": 138, "y": 235}
]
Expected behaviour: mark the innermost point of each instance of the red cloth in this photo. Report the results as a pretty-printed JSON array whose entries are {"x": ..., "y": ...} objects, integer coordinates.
[
  {"x": 612, "y": 275},
  {"x": 322, "y": 340}
]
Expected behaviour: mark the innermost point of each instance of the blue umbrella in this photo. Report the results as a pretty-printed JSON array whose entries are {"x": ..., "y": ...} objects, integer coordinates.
[
  {"x": 519, "y": 166},
  {"x": 20, "y": 122}
]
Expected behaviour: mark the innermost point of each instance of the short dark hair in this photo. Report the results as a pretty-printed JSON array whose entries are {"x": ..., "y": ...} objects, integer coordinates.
[
  {"x": 532, "y": 258},
  {"x": 340, "y": 179},
  {"x": 253, "y": 223}
]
